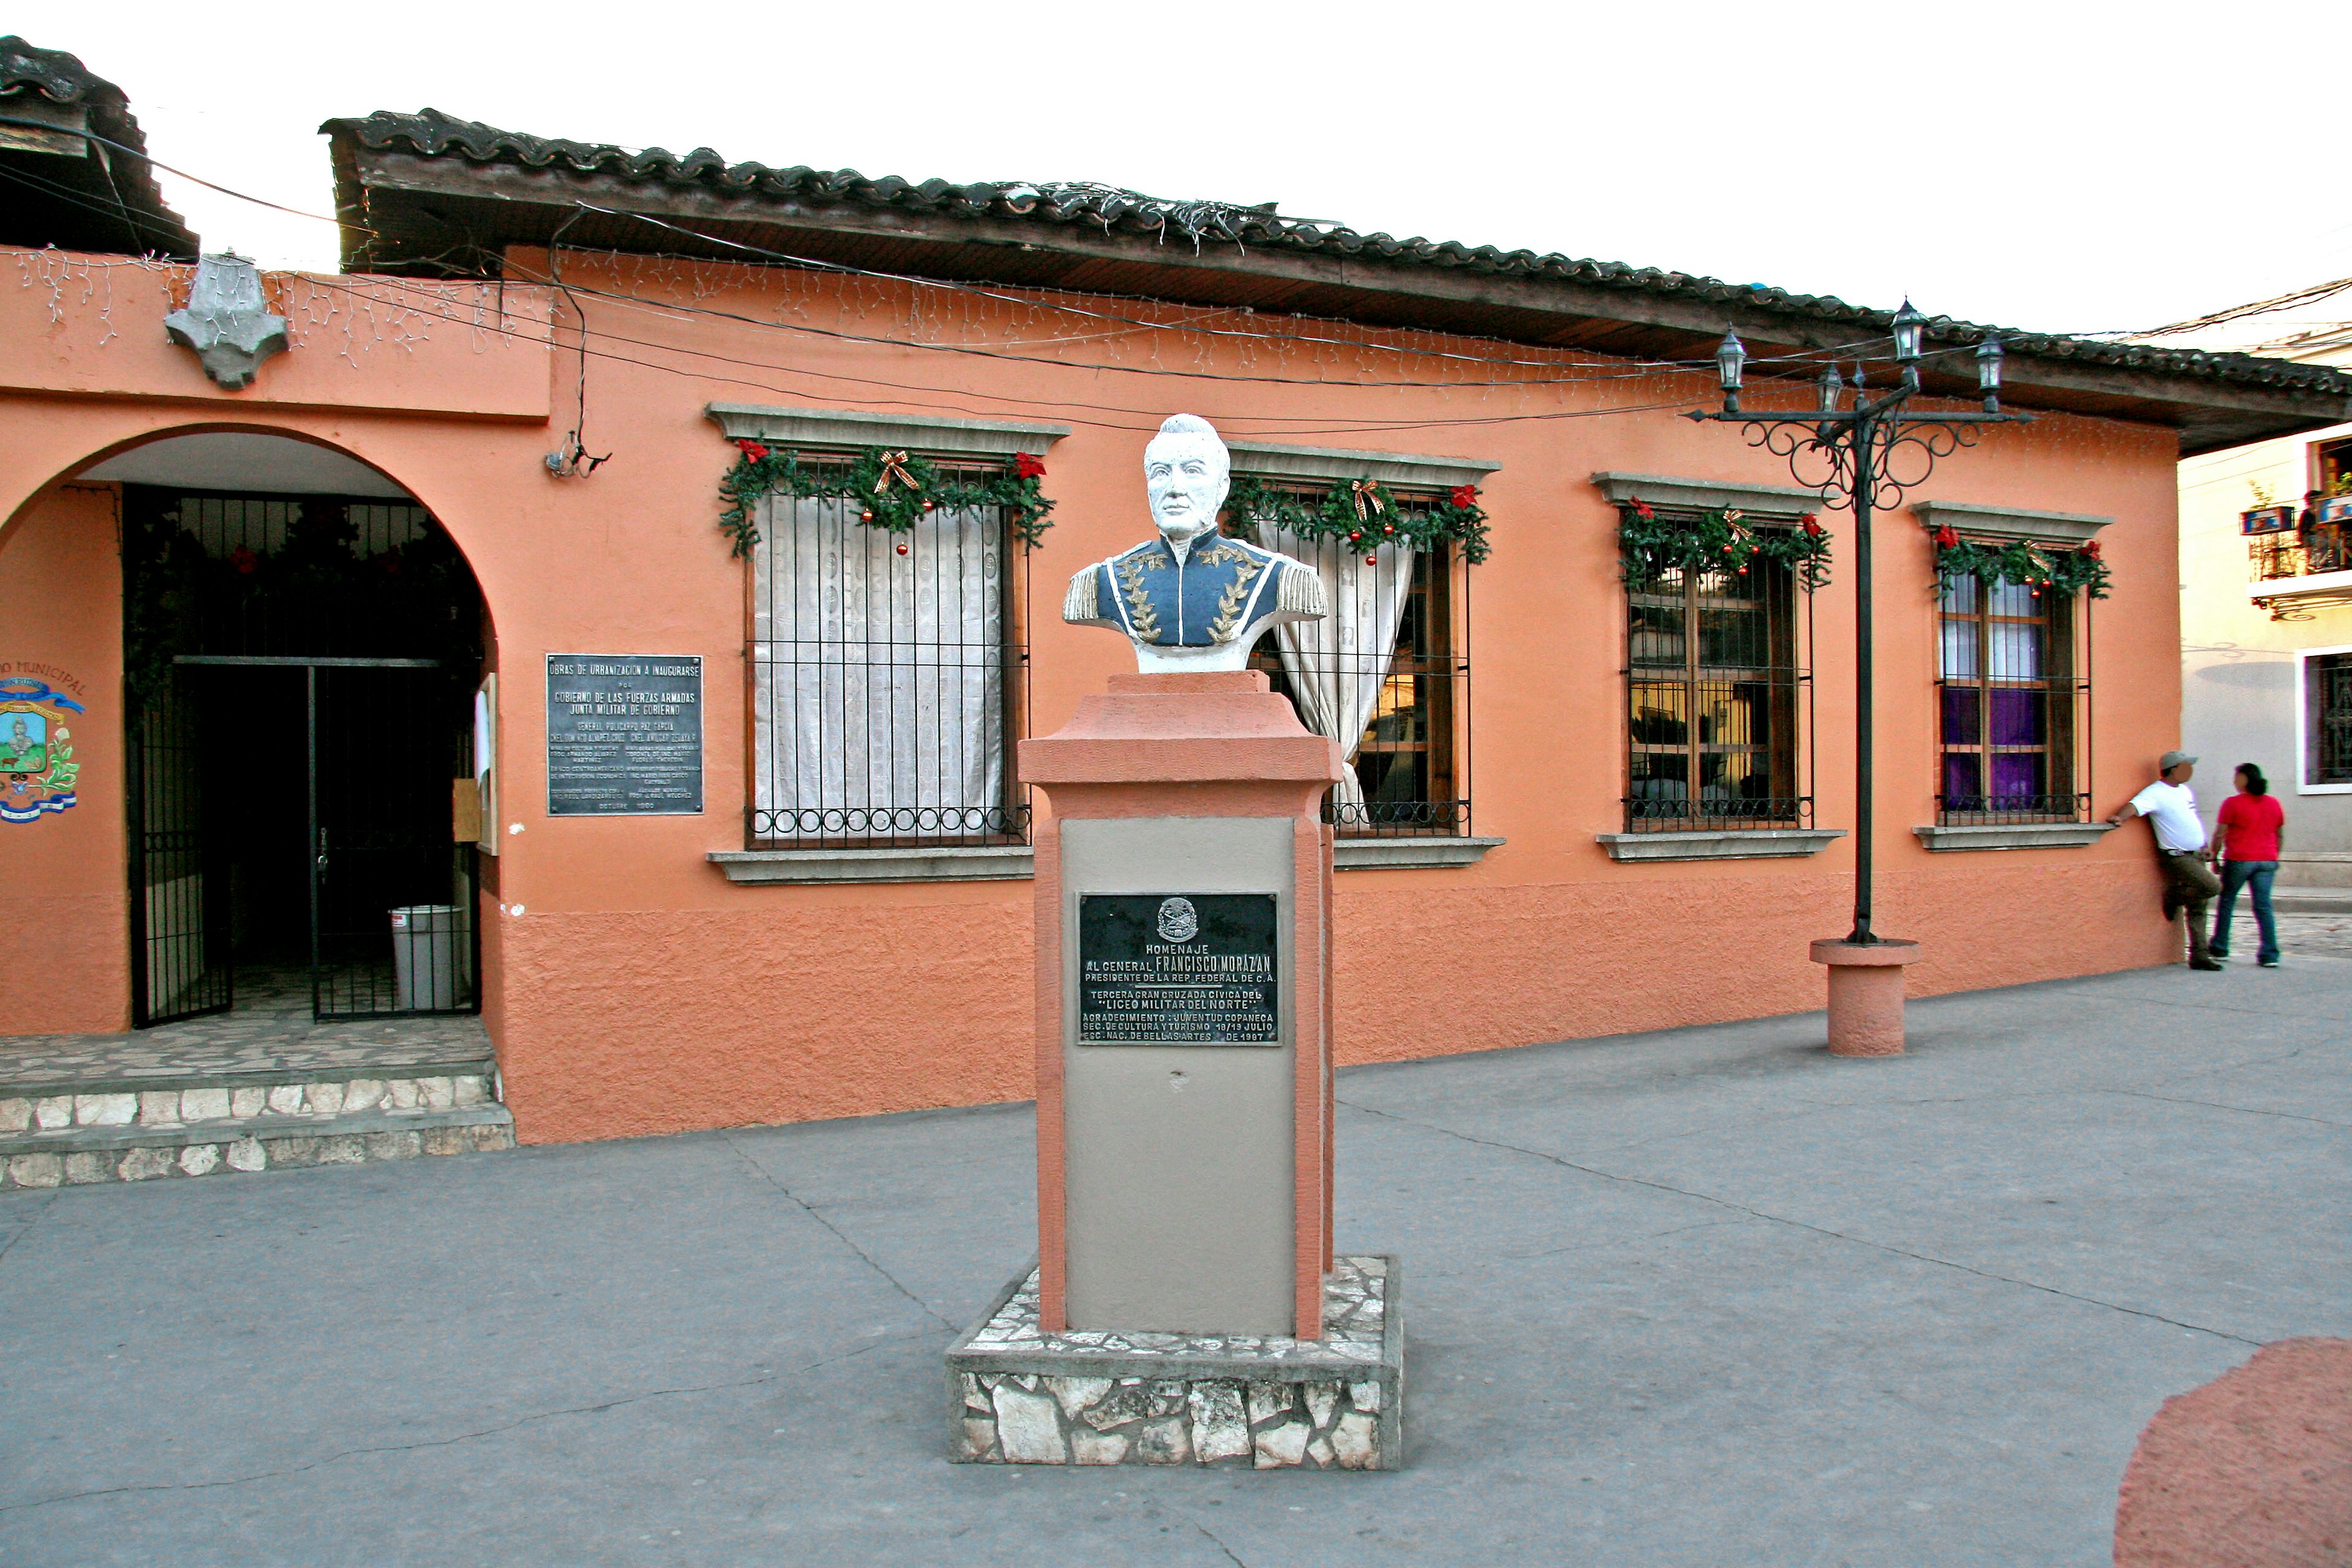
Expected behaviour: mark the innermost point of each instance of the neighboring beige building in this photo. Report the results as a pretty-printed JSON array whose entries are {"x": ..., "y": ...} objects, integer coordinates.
[{"x": 2266, "y": 618}]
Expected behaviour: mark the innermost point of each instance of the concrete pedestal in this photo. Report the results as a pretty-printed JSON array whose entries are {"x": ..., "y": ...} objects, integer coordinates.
[
  {"x": 1867, "y": 995},
  {"x": 1184, "y": 900}
]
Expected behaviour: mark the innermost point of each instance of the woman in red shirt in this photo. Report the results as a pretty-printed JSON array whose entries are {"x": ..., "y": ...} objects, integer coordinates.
[{"x": 2246, "y": 840}]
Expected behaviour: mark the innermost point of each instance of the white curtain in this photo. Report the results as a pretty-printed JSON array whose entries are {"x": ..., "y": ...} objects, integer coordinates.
[
  {"x": 878, "y": 690},
  {"x": 1337, "y": 666}
]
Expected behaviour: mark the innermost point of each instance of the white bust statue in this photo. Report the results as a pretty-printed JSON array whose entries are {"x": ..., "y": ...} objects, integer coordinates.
[{"x": 1192, "y": 598}]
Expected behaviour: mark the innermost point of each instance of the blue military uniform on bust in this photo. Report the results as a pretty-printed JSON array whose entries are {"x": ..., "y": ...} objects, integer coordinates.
[
  {"x": 1208, "y": 595},
  {"x": 1192, "y": 600}
]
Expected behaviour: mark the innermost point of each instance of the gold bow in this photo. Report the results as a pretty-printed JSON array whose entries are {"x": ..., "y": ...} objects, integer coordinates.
[
  {"x": 1368, "y": 489},
  {"x": 894, "y": 466}
]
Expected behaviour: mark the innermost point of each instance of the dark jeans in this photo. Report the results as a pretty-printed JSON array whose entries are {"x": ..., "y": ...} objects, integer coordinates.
[
  {"x": 2237, "y": 874},
  {"x": 2188, "y": 885}
]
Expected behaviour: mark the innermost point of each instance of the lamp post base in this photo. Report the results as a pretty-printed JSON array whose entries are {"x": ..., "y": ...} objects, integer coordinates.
[{"x": 1867, "y": 995}]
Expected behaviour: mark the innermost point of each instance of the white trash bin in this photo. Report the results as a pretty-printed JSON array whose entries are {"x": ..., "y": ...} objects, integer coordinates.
[{"x": 428, "y": 957}]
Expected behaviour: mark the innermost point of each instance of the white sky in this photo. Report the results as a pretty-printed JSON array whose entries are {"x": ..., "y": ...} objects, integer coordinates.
[{"x": 2058, "y": 165}]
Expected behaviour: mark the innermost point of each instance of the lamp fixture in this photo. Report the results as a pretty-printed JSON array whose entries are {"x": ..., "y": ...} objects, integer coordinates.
[
  {"x": 1730, "y": 364},
  {"x": 1907, "y": 324}
]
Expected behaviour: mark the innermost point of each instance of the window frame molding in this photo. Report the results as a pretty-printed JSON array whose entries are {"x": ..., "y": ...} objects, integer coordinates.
[
  {"x": 1272, "y": 460},
  {"x": 2009, "y": 522},
  {"x": 951, "y": 439},
  {"x": 1781, "y": 504},
  {"x": 2303, "y": 757},
  {"x": 1623, "y": 489},
  {"x": 849, "y": 429},
  {"x": 1307, "y": 465},
  {"x": 1987, "y": 521}
]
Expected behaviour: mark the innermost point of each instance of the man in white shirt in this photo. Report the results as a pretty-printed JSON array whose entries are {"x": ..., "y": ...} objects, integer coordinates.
[{"x": 2170, "y": 807}]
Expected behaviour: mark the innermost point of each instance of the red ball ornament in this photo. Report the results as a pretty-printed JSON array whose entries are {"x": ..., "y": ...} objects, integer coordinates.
[
  {"x": 1371, "y": 560},
  {"x": 929, "y": 503},
  {"x": 867, "y": 515},
  {"x": 902, "y": 550},
  {"x": 1355, "y": 536}
]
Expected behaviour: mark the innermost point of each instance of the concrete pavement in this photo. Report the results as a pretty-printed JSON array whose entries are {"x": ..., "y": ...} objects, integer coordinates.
[{"x": 1704, "y": 1297}]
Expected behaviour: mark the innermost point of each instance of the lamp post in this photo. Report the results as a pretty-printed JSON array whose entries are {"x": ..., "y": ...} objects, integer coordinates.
[{"x": 1872, "y": 452}]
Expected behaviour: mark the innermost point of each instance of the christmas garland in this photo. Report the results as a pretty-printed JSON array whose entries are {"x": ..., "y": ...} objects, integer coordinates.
[
  {"x": 1363, "y": 512},
  {"x": 1649, "y": 545},
  {"x": 892, "y": 491},
  {"x": 2029, "y": 565}
]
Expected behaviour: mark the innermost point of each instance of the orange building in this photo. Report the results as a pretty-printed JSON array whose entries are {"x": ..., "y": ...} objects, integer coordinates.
[{"x": 738, "y": 836}]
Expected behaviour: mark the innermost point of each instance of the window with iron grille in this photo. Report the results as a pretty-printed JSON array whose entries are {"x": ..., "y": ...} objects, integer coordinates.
[
  {"x": 2012, "y": 701},
  {"x": 1716, "y": 685},
  {"x": 888, "y": 676},
  {"x": 1387, "y": 675},
  {"x": 2327, "y": 707}
]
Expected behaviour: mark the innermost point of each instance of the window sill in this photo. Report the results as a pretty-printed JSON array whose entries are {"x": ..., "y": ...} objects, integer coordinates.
[
  {"x": 1719, "y": 844},
  {"x": 933, "y": 863},
  {"x": 1397, "y": 854},
  {"x": 2013, "y": 835}
]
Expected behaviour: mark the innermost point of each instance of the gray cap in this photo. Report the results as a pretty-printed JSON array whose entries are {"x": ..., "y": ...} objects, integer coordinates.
[{"x": 2171, "y": 760}]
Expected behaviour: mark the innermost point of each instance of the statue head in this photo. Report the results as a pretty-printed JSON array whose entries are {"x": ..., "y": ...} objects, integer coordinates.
[{"x": 1186, "y": 472}]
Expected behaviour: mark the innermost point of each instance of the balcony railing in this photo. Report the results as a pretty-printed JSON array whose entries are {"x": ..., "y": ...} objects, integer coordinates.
[{"x": 2306, "y": 551}]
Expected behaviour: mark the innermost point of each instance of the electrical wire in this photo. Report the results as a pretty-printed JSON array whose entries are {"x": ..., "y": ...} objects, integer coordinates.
[{"x": 1366, "y": 425}]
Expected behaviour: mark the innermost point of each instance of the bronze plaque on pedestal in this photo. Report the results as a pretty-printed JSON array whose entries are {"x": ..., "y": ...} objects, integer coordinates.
[{"x": 1177, "y": 968}]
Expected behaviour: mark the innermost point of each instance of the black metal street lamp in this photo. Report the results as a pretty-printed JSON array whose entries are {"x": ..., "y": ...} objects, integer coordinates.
[{"x": 1862, "y": 448}]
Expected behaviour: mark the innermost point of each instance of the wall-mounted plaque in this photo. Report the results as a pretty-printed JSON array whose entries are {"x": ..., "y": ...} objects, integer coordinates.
[
  {"x": 1177, "y": 968},
  {"x": 624, "y": 735}
]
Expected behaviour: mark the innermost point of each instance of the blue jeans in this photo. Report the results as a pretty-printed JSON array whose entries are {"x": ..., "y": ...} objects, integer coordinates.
[{"x": 2236, "y": 874}]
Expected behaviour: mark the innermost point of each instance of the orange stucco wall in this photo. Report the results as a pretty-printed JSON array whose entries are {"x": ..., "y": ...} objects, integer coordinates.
[
  {"x": 633, "y": 989},
  {"x": 68, "y": 966}
]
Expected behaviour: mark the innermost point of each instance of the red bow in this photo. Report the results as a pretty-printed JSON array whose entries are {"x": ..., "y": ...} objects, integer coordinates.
[
  {"x": 1028, "y": 465},
  {"x": 1466, "y": 495},
  {"x": 1946, "y": 538},
  {"x": 2091, "y": 549},
  {"x": 753, "y": 450}
]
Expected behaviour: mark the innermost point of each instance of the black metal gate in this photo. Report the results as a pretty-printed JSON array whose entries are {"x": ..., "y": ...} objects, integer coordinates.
[
  {"x": 180, "y": 965},
  {"x": 391, "y": 896}
]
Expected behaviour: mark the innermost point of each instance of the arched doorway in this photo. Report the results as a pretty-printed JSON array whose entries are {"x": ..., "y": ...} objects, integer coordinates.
[{"x": 302, "y": 649}]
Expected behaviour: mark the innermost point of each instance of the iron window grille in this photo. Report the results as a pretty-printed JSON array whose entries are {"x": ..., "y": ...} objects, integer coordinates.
[
  {"x": 1410, "y": 755},
  {"x": 2013, "y": 695},
  {"x": 2328, "y": 703},
  {"x": 1719, "y": 699},
  {"x": 888, "y": 675}
]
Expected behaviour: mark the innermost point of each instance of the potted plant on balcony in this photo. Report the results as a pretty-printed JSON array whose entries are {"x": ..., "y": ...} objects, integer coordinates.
[{"x": 2265, "y": 516}]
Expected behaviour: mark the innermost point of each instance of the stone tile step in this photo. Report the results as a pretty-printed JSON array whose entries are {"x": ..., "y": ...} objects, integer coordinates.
[
  {"x": 258, "y": 1097},
  {"x": 106, "y": 1078},
  {"x": 76, "y": 1156}
]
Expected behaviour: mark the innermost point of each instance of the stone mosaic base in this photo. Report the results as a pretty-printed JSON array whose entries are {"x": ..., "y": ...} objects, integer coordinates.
[{"x": 1019, "y": 1396}]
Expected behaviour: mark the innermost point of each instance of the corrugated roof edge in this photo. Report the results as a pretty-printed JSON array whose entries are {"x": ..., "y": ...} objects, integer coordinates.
[{"x": 434, "y": 134}]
